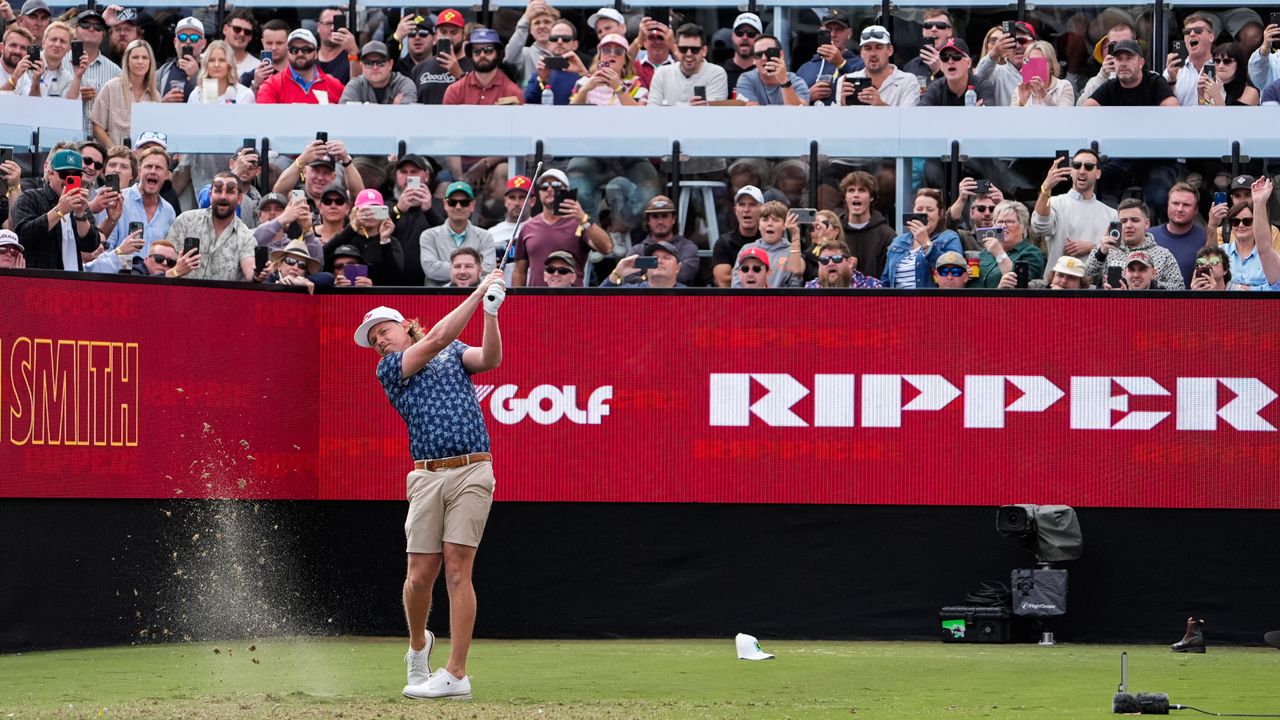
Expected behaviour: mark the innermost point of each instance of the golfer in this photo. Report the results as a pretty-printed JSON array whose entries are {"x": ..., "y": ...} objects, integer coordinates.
[{"x": 427, "y": 378}]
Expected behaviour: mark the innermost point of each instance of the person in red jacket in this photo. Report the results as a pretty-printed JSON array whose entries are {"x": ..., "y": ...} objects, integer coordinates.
[{"x": 304, "y": 82}]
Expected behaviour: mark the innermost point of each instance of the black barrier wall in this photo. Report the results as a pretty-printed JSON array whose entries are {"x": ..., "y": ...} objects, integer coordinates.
[{"x": 84, "y": 573}]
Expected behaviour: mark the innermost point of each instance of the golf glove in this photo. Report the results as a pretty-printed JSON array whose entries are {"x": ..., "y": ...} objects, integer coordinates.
[{"x": 494, "y": 296}]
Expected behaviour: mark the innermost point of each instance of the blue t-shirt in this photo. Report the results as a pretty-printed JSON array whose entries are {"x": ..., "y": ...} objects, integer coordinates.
[
  {"x": 1184, "y": 247},
  {"x": 438, "y": 403}
]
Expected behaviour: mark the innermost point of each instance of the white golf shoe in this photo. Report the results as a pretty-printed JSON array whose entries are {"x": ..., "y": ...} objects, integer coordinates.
[
  {"x": 441, "y": 685},
  {"x": 419, "y": 664}
]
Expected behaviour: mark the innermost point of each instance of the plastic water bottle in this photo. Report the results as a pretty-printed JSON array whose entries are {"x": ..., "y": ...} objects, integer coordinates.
[
  {"x": 970, "y": 97},
  {"x": 548, "y": 97}
]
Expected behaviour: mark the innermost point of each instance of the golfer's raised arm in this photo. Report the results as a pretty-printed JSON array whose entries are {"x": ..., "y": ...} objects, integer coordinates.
[
  {"x": 442, "y": 333},
  {"x": 489, "y": 355}
]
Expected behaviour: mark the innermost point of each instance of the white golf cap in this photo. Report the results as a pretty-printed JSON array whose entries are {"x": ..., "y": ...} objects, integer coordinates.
[
  {"x": 9, "y": 238},
  {"x": 377, "y": 315},
  {"x": 750, "y": 191},
  {"x": 749, "y": 648},
  {"x": 303, "y": 35},
  {"x": 553, "y": 174},
  {"x": 189, "y": 23},
  {"x": 605, "y": 13},
  {"x": 751, "y": 19},
  {"x": 875, "y": 34}
]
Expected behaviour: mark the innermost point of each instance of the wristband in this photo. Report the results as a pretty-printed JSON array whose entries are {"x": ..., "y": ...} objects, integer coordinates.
[
  {"x": 1045, "y": 191},
  {"x": 786, "y": 84},
  {"x": 352, "y": 57},
  {"x": 1002, "y": 258}
]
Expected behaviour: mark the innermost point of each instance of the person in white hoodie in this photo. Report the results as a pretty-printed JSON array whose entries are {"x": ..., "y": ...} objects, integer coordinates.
[
  {"x": 1007, "y": 76},
  {"x": 889, "y": 84}
]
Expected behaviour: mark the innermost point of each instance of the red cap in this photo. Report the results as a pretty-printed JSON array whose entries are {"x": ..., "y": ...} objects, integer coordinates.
[
  {"x": 754, "y": 252},
  {"x": 450, "y": 17},
  {"x": 1026, "y": 28},
  {"x": 519, "y": 182}
]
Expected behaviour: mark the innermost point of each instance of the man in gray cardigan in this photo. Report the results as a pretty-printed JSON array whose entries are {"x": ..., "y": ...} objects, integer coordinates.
[
  {"x": 437, "y": 244},
  {"x": 380, "y": 84}
]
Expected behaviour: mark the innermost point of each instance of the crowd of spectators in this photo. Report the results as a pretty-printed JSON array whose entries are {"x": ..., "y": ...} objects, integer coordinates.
[{"x": 121, "y": 202}]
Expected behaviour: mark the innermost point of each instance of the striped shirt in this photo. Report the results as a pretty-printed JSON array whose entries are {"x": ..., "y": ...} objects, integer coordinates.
[
  {"x": 904, "y": 276},
  {"x": 96, "y": 76}
]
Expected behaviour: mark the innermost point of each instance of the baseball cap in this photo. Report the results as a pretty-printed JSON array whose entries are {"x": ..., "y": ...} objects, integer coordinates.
[
  {"x": 662, "y": 245},
  {"x": 1072, "y": 266},
  {"x": 304, "y": 35},
  {"x": 9, "y": 238},
  {"x": 754, "y": 252},
  {"x": 485, "y": 36},
  {"x": 323, "y": 161},
  {"x": 449, "y": 16},
  {"x": 554, "y": 174},
  {"x": 1139, "y": 257},
  {"x": 749, "y": 648},
  {"x": 151, "y": 137},
  {"x": 192, "y": 23},
  {"x": 87, "y": 14},
  {"x": 417, "y": 160},
  {"x": 751, "y": 19},
  {"x": 129, "y": 15},
  {"x": 660, "y": 204},
  {"x": 66, "y": 159},
  {"x": 750, "y": 191},
  {"x": 459, "y": 186},
  {"x": 951, "y": 258},
  {"x": 1241, "y": 182},
  {"x": 30, "y": 7},
  {"x": 565, "y": 256},
  {"x": 957, "y": 44},
  {"x": 1129, "y": 46},
  {"x": 378, "y": 315},
  {"x": 1024, "y": 28},
  {"x": 835, "y": 16},
  {"x": 613, "y": 39},
  {"x": 606, "y": 13},
  {"x": 349, "y": 251},
  {"x": 373, "y": 47},
  {"x": 518, "y": 182},
  {"x": 368, "y": 198},
  {"x": 875, "y": 34},
  {"x": 273, "y": 197}
]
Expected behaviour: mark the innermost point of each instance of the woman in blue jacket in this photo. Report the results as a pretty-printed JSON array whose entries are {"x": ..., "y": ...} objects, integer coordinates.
[{"x": 911, "y": 255}]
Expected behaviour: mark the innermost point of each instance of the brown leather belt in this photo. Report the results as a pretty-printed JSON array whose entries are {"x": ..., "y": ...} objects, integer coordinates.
[{"x": 456, "y": 461}]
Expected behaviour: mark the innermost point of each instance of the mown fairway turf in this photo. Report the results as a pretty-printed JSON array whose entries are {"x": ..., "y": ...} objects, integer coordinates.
[{"x": 362, "y": 678}]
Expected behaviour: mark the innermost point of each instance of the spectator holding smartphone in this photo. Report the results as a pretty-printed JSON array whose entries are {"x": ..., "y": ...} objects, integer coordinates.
[
  {"x": 277, "y": 214},
  {"x": 52, "y": 221},
  {"x": 937, "y": 33},
  {"x": 16, "y": 67},
  {"x": 1212, "y": 270},
  {"x": 226, "y": 243},
  {"x": 561, "y": 225},
  {"x": 559, "y": 70},
  {"x": 1105, "y": 53},
  {"x": 538, "y": 20},
  {"x": 657, "y": 47},
  {"x": 372, "y": 232},
  {"x": 176, "y": 79},
  {"x": 980, "y": 209},
  {"x": 1114, "y": 252},
  {"x": 1184, "y": 73},
  {"x": 1072, "y": 222},
  {"x": 677, "y": 84},
  {"x": 142, "y": 202},
  {"x": 612, "y": 79},
  {"x": 1240, "y": 191},
  {"x": 435, "y": 74},
  {"x": 1230, "y": 84},
  {"x": 781, "y": 243},
  {"x": 305, "y": 82},
  {"x": 1051, "y": 91},
  {"x": 345, "y": 256},
  {"x": 912, "y": 255},
  {"x": 1264, "y": 63},
  {"x": 275, "y": 43},
  {"x": 662, "y": 274},
  {"x": 436, "y": 246},
  {"x": 957, "y": 77},
  {"x": 770, "y": 83},
  {"x": 337, "y": 55},
  {"x": 889, "y": 85},
  {"x": 660, "y": 215},
  {"x": 416, "y": 36},
  {"x": 831, "y": 60},
  {"x": 1005, "y": 244}
]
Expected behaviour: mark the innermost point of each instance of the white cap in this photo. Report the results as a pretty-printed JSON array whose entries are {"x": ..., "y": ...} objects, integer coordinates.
[
  {"x": 751, "y": 191},
  {"x": 749, "y": 648},
  {"x": 151, "y": 136},
  {"x": 380, "y": 314},
  {"x": 189, "y": 23},
  {"x": 304, "y": 35},
  {"x": 9, "y": 237},
  {"x": 605, "y": 13},
  {"x": 751, "y": 19},
  {"x": 875, "y": 34},
  {"x": 553, "y": 174}
]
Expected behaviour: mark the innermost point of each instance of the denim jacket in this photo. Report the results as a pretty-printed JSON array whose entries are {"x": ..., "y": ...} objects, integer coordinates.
[{"x": 945, "y": 241}]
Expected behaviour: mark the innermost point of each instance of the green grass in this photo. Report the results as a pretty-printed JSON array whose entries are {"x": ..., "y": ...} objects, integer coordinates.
[{"x": 362, "y": 678}]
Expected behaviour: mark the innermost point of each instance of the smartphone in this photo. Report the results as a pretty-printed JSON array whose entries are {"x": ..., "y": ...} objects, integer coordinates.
[
  {"x": 824, "y": 37},
  {"x": 71, "y": 184},
  {"x": 772, "y": 53},
  {"x": 412, "y": 181},
  {"x": 805, "y": 216},
  {"x": 1113, "y": 276},
  {"x": 380, "y": 212},
  {"x": 177, "y": 85},
  {"x": 113, "y": 181},
  {"x": 444, "y": 46},
  {"x": 297, "y": 195},
  {"x": 33, "y": 53},
  {"x": 77, "y": 52},
  {"x": 1179, "y": 48},
  {"x": 563, "y": 194},
  {"x": 982, "y": 187},
  {"x": 1111, "y": 48},
  {"x": 250, "y": 144},
  {"x": 647, "y": 262},
  {"x": 661, "y": 14},
  {"x": 700, "y": 92},
  {"x": 1200, "y": 271},
  {"x": 261, "y": 254},
  {"x": 1023, "y": 271},
  {"x": 6, "y": 154},
  {"x": 551, "y": 62},
  {"x": 989, "y": 232},
  {"x": 189, "y": 244},
  {"x": 1219, "y": 198},
  {"x": 135, "y": 227},
  {"x": 1113, "y": 229},
  {"x": 188, "y": 51},
  {"x": 353, "y": 271},
  {"x": 1035, "y": 67},
  {"x": 339, "y": 22},
  {"x": 1007, "y": 27},
  {"x": 1275, "y": 20},
  {"x": 859, "y": 84},
  {"x": 322, "y": 136},
  {"x": 918, "y": 217},
  {"x": 266, "y": 57},
  {"x": 1211, "y": 71}
]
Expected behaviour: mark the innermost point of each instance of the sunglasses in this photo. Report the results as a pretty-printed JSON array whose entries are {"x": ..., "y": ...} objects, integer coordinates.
[
  {"x": 551, "y": 186},
  {"x": 484, "y": 50},
  {"x": 10, "y": 250},
  {"x": 746, "y": 32},
  {"x": 837, "y": 259},
  {"x": 760, "y": 55},
  {"x": 880, "y": 35},
  {"x": 1225, "y": 60},
  {"x": 92, "y": 27},
  {"x": 1194, "y": 30},
  {"x": 241, "y": 30},
  {"x": 984, "y": 208},
  {"x": 294, "y": 262},
  {"x": 612, "y": 50},
  {"x": 560, "y": 38},
  {"x": 753, "y": 268},
  {"x": 688, "y": 49},
  {"x": 1086, "y": 166},
  {"x": 301, "y": 50},
  {"x": 420, "y": 33},
  {"x": 1022, "y": 40},
  {"x": 91, "y": 163},
  {"x": 165, "y": 261},
  {"x": 375, "y": 64},
  {"x": 560, "y": 270},
  {"x": 1210, "y": 260},
  {"x": 937, "y": 25},
  {"x": 459, "y": 202},
  {"x": 951, "y": 57},
  {"x": 189, "y": 38},
  {"x": 333, "y": 201},
  {"x": 1241, "y": 222},
  {"x": 64, "y": 174},
  {"x": 951, "y": 271}
]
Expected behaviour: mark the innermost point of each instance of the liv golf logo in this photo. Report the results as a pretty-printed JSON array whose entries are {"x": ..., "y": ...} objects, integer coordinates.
[{"x": 545, "y": 404}]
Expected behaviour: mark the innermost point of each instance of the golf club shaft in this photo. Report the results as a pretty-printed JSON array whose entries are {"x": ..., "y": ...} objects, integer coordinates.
[{"x": 519, "y": 219}]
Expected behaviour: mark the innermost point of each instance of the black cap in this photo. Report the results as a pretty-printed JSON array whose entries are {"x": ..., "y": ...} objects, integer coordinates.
[
  {"x": 1242, "y": 182},
  {"x": 662, "y": 245},
  {"x": 323, "y": 160},
  {"x": 348, "y": 251},
  {"x": 1129, "y": 46},
  {"x": 835, "y": 16},
  {"x": 415, "y": 159}
]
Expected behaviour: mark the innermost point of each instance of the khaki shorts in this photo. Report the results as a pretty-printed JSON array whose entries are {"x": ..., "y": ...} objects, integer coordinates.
[{"x": 447, "y": 506}]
